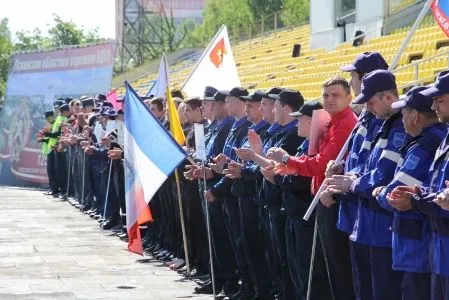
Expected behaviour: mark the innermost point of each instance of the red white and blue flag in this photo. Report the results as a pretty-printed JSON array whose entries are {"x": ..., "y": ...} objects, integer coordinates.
[
  {"x": 440, "y": 9},
  {"x": 151, "y": 155}
]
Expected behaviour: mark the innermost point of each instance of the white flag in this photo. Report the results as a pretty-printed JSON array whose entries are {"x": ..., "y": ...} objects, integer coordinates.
[
  {"x": 216, "y": 67},
  {"x": 159, "y": 87}
]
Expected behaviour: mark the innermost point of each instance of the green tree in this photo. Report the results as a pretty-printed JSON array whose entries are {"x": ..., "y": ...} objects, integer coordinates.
[
  {"x": 295, "y": 11},
  {"x": 5, "y": 54}
]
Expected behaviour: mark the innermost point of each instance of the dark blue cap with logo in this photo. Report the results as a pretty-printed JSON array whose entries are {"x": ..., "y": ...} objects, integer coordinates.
[
  {"x": 367, "y": 62},
  {"x": 375, "y": 82},
  {"x": 236, "y": 92},
  {"x": 439, "y": 88},
  {"x": 209, "y": 91},
  {"x": 414, "y": 99}
]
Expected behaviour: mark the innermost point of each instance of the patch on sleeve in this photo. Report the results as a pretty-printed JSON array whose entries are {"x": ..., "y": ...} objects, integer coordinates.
[
  {"x": 399, "y": 139},
  {"x": 412, "y": 162}
]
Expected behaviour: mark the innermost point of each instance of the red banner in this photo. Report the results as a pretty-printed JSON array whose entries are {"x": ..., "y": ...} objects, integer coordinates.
[{"x": 441, "y": 13}]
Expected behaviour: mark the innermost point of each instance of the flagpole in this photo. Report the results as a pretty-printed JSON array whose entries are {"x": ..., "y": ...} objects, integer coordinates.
[
  {"x": 68, "y": 172},
  {"x": 209, "y": 236},
  {"x": 84, "y": 171},
  {"x": 107, "y": 191},
  {"x": 183, "y": 227},
  {"x": 202, "y": 56},
  {"x": 343, "y": 150}
]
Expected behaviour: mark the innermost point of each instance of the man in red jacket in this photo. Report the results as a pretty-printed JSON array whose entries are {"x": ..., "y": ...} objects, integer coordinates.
[{"x": 336, "y": 100}]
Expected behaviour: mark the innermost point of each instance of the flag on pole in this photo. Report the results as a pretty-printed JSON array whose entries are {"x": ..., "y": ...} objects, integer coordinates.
[
  {"x": 161, "y": 83},
  {"x": 112, "y": 98},
  {"x": 153, "y": 85},
  {"x": 151, "y": 154},
  {"x": 216, "y": 67},
  {"x": 440, "y": 9}
]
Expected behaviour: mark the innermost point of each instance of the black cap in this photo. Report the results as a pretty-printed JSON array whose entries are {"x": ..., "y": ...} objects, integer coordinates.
[
  {"x": 236, "y": 92},
  {"x": 120, "y": 112},
  {"x": 108, "y": 112},
  {"x": 414, "y": 99},
  {"x": 49, "y": 113},
  {"x": 107, "y": 104},
  {"x": 375, "y": 82},
  {"x": 274, "y": 91},
  {"x": 254, "y": 97},
  {"x": 87, "y": 102},
  {"x": 67, "y": 100},
  {"x": 307, "y": 109},
  {"x": 290, "y": 97},
  {"x": 100, "y": 97},
  {"x": 64, "y": 108},
  {"x": 367, "y": 62},
  {"x": 209, "y": 91},
  {"x": 219, "y": 96}
]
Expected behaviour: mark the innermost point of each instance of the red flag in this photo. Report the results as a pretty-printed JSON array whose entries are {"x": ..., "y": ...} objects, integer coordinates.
[
  {"x": 112, "y": 97},
  {"x": 440, "y": 11}
]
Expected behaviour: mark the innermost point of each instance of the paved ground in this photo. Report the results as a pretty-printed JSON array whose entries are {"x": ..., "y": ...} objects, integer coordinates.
[{"x": 49, "y": 250}]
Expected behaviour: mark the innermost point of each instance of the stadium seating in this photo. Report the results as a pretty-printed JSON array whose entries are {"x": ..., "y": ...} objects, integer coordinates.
[{"x": 266, "y": 62}]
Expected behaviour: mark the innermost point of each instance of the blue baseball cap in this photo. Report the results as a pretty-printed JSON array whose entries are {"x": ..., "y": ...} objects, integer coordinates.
[
  {"x": 366, "y": 62},
  {"x": 439, "y": 88},
  {"x": 414, "y": 99},
  {"x": 375, "y": 82}
]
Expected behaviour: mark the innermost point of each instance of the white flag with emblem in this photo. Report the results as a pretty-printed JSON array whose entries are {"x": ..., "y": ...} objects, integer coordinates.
[{"x": 216, "y": 67}]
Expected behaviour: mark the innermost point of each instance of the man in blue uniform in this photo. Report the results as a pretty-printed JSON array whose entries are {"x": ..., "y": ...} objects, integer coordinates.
[
  {"x": 224, "y": 260},
  {"x": 431, "y": 198},
  {"x": 235, "y": 107},
  {"x": 244, "y": 186},
  {"x": 410, "y": 228},
  {"x": 372, "y": 224}
]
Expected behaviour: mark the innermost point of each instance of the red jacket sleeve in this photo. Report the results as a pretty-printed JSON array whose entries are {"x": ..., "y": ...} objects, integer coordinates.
[{"x": 316, "y": 165}]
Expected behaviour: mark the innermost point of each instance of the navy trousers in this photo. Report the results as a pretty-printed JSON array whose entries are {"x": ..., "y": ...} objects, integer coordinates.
[
  {"x": 361, "y": 270},
  {"x": 386, "y": 282},
  {"x": 440, "y": 287},
  {"x": 416, "y": 286}
]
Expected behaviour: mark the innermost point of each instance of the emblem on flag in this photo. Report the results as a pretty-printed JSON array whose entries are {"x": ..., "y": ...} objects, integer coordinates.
[{"x": 217, "y": 53}]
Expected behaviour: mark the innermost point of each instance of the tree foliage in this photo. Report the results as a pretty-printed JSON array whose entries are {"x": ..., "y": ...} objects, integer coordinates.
[
  {"x": 61, "y": 33},
  {"x": 239, "y": 15},
  {"x": 5, "y": 53}
]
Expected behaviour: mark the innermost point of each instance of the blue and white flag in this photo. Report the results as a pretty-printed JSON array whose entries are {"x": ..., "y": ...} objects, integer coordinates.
[{"x": 151, "y": 154}]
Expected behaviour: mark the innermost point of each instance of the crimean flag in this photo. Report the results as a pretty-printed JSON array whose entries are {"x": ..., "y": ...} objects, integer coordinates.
[
  {"x": 151, "y": 155},
  {"x": 440, "y": 9},
  {"x": 216, "y": 67}
]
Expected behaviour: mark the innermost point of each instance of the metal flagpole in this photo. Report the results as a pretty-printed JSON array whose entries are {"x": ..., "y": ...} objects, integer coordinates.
[
  {"x": 209, "y": 238},
  {"x": 68, "y": 171},
  {"x": 392, "y": 67},
  {"x": 84, "y": 176},
  {"x": 183, "y": 227},
  {"x": 107, "y": 191},
  {"x": 343, "y": 150}
]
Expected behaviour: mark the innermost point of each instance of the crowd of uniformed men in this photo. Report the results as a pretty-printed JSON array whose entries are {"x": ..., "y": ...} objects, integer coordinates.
[{"x": 383, "y": 219}]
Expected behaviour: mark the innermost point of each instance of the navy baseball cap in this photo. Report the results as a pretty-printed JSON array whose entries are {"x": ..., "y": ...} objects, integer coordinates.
[
  {"x": 49, "y": 113},
  {"x": 236, "y": 92},
  {"x": 290, "y": 97},
  {"x": 366, "y": 62},
  {"x": 209, "y": 91},
  {"x": 439, "y": 88},
  {"x": 307, "y": 109},
  {"x": 219, "y": 96},
  {"x": 274, "y": 91},
  {"x": 414, "y": 99},
  {"x": 254, "y": 97},
  {"x": 375, "y": 82}
]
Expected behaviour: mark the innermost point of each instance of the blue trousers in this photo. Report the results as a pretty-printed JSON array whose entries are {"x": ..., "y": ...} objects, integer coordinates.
[
  {"x": 440, "y": 287},
  {"x": 416, "y": 286},
  {"x": 361, "y": 270},
  {"x": 253, "y": 246},
  {"x": 386, "y": 282}
]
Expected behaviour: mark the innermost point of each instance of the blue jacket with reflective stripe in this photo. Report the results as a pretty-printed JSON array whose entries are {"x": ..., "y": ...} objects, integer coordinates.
[
  {"x": 372, "y": 224},
  {"x": 359, "y": 150},
  {"x": 411, "y": 228},
  {"x": 439, "y": 218}
]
